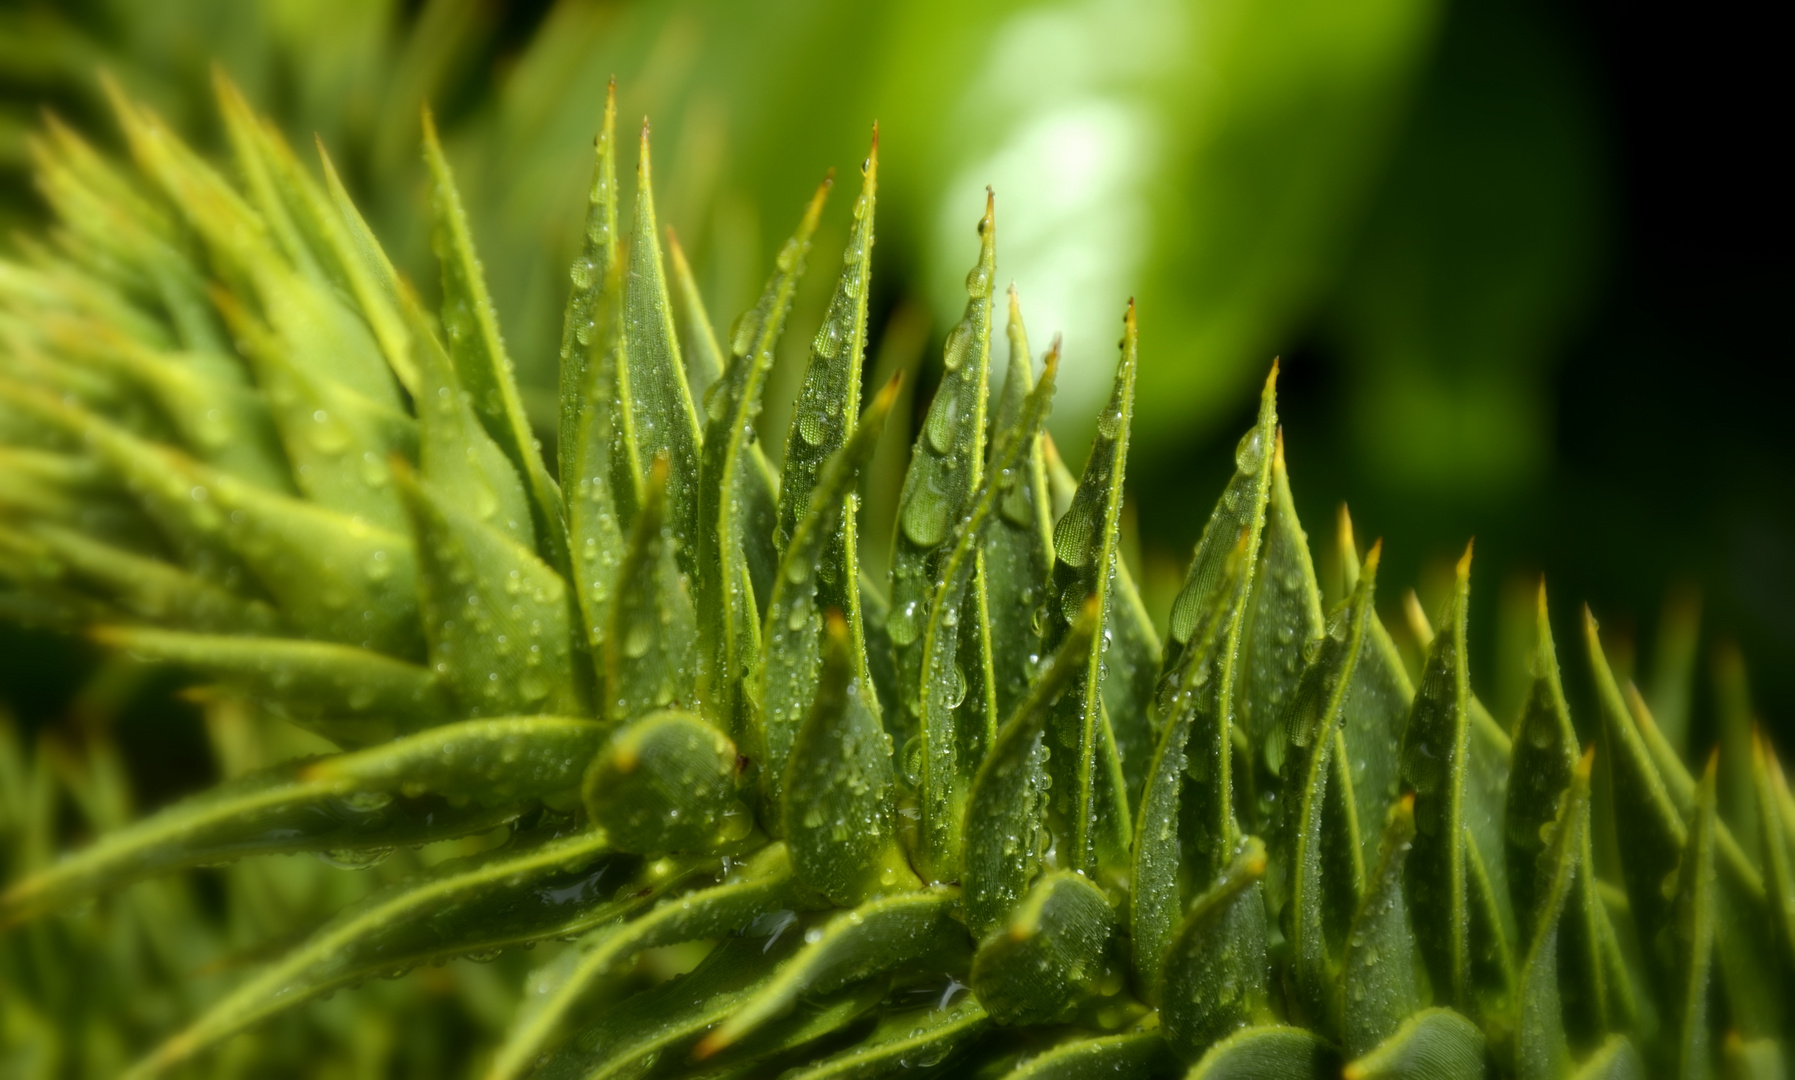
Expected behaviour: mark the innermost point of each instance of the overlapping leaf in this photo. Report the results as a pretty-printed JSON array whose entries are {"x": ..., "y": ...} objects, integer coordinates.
[
  {"x": 1089, "y": 800},
  {"x": 958, "y": 727},
  {"x": 727, "y": 617},
  {"x": 788, "y": 665}
]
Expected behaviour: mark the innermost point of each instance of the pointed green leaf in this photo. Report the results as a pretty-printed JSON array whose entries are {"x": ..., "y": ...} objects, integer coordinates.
[
  {"x": 233, "y": 231},
  {"x": 95, "y": 200},
  {"x": 1163, "y": 877},
  {"x": 788, "y": 667},
  {"x": 631, "y": 1037},
  {"x": 1652, "y": 833},
  {"x": 332, "y": 576},
  {"x": 1320, "y": 903},
  {"x": 337, "y": 440},
  {"x": 790, "y": 1038},
  {"x": 651, "y": 379},
  {"x": 1269, "y": 1053},
  {"x": 323, "y": 337},
  {"x": 1084, "y": 543},
  {"x": 244, "y": 134},
  {"x": 1435, "y": 760},
  {"x": 351, "y": 696},
  {"x": 760, "y": 483},
  {"x": 1019, "y": 547},
  {"x": 650, "y": 644},
  {"x": 333, "y": 231},
  {"x": 485, "y": 761},
  {"x": 1542, "y": 1049},
  {"x": 1240, "y": 509},
  {"x": 704, "y": 355},
  {"x": 1282, "y": 616},
  {"x": 1434, "y": 1044},
  {"x": 838, "y": 807},
  {"x": 320, "y": 331},
  {"x": 525, "y": 891},
  {"x": 1216, "y": 968},
  {"x": 1494, "y": 940},
  {"x": 1692, "y": 1026},
  {"x": 943, "y": 473},
  {"x": 957, "y": 725},
  {"x": 1055, "y": 954},
  {"x": 151, "y": 589},
  {"x": 881, "y": 663},
  {"x": 1778, "y": 856},
  {"x": 1743, "y": 901},
  {"x": 829, "y": 398},
  {"x": 1132, "y": 674},
  {"x": 372, "y": 801},
  {"x": 1376, "y": 716},
  {"x": 1591, "y": 979},
  {"x": 593, "y": 472},
  {"x": 1734, "y": 721},
  {"x": 371, "y": 275},
  {"x": 828, "y": 402},
  {"x": 1545, "y": 754},
  {"x": 764, "y": 884},
  {"x": 667, "y": 782},
  {"x": 479, "y": 355},
  {"x": 217, "y": 420},
  {"x": 1006, "y": 811},
  {"x": 1379, "y": 988},
  {"x": 1615, "y": 1060},
  {"x": 903, "y": 1040},
  {"x": 728, "y": 622},
  {"x": 1240, "y": 513},
  {"x": 496, "y": 617},
  {"x": 592, "y": 268},
  {"x": 874, "y": 938},
  {"x": 455, "y": 453}
]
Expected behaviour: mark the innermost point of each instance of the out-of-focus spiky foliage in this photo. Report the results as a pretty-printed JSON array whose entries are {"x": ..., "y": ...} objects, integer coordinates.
[{"x": 644, "y": 705}]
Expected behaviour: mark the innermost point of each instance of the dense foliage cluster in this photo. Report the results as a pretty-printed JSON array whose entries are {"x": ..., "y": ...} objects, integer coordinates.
[{"x": 979, "y": 817}]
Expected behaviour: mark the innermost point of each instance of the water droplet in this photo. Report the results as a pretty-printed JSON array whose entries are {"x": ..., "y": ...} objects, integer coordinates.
[{"x": 1249, "y": 453}]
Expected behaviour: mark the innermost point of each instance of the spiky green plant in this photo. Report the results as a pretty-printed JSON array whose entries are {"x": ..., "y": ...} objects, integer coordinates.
[{"x": 983, "y": 821}]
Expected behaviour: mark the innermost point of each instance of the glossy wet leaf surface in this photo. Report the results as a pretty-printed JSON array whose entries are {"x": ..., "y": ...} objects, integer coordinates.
[
  {"x": 789, "y": 667},
  {"x": 478, "y": 350},
  {"x": 958, "y": 727},
  {"x": 1088, "y": 741},
  {"x": 840, "y": 795},
  {"x": 1323, "y": 892},
  {"x": 526, "y": 891},
  {"x": 667, "y": 781},
  {"x": 652, "y": 638},
  {"x": 1437, "y": 1044},
  {"x": 556, "y": 990},
  {"x": 1007, "y": 809},
  {"x": 497, "y": 619},
  {"x": 1054, "y": 953},
  {"x": 852, "y": 945},
  {"x": 1216, "y": 967},
  {"x": 944, "y": 469},
  {"x": 1265, "y": 1053},
  {"x": 728, "y": 618},
  {"x": 1380, "y": 985}
]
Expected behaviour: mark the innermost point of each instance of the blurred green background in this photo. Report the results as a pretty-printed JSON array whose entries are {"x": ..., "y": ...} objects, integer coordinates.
[{"x": 1522, "y": 261}]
